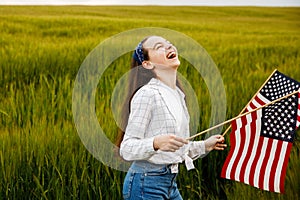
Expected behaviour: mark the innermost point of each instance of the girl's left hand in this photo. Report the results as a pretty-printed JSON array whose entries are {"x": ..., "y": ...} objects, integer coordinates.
[{"x": 215, "y": 142}]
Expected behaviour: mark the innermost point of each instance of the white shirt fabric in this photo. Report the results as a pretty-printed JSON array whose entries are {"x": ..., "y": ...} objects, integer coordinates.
[
  {"x": 153, "y": 112},
  {"x": 172, "y": 98}
]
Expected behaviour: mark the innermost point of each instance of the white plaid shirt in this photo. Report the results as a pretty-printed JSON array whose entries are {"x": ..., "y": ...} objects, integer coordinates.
[{"x": 150, "y": 116}]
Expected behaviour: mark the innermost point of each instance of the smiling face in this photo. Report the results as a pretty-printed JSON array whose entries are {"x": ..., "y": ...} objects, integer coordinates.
[{"x": 162, "y": 54}]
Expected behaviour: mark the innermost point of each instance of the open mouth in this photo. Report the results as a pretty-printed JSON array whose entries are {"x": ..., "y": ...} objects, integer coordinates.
[{"x": 171, "y": 55}]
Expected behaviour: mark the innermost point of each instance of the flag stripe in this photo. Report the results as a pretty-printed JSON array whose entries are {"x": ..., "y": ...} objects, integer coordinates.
[
  {"x": 245, "y": 156},
  {"x": 262, "y": 154},
  {"x": 263, "y": 182},
  {"x": 250, "y": 107},
  {"x": 232, "y": 165},
  {"x": 242, "y": 140},
  {"x": 268, "y": 171},
  {"x": 258, "y": 101},
  {"x": 279, "y": 166},
  {"x": 285, "y": 164},
  {"x": 298, "y": 115},
  {"x": 274, "y": 166},
  {"x": 253, "y": 145},
  {"x": 232, "y": 141},
  {"x": 261, "y": 100},
  {"x": 256, "y": 152}
]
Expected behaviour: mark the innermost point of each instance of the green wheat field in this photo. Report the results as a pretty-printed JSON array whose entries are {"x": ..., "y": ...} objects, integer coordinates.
[{"x": 41, "y": 50}]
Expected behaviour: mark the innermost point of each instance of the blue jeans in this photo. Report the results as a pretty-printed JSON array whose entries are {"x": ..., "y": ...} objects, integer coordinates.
[{"x": 154, "y": 182}]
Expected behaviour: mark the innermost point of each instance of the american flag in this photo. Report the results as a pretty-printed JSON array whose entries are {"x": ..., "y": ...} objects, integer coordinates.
[
  {"x": 261, "y": 141},
  {"x": 278, "y": 85}
]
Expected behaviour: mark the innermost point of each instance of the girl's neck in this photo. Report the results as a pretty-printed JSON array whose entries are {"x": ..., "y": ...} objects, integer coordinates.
[{"x": 168, "y": 78}]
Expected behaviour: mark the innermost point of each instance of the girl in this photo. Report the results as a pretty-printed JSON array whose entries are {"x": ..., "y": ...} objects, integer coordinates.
[{"x": 157, "y": 124}]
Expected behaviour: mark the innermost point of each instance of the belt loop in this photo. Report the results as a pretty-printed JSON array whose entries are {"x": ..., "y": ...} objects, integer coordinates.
[{"x": 174, "y": 168}]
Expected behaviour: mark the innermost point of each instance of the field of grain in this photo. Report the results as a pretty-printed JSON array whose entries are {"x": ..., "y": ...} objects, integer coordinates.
[{"x": 42, "y": 49}]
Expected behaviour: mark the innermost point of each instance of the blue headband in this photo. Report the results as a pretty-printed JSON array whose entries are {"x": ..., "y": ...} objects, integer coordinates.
[{"x": 138, "y": 54}]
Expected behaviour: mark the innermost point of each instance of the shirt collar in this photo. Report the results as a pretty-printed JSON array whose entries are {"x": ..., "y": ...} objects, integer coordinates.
[{"x": 155, "y": 81}]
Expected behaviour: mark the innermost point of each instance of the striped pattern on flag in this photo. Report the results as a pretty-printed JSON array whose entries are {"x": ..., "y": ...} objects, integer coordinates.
[
  {"x": 262, "y": 140},
  {"x": 298, "y": 115},
  {"x": 254, "y": 159}
]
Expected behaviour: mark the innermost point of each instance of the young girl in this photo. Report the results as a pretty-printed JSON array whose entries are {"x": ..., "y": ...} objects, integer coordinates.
[{"x": 157, "y": 122}]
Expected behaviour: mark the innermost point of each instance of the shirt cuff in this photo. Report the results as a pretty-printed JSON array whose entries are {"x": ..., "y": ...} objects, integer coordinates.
[
  {"x": 149, "y": 145},
  {"x": 197, "y": 149}
]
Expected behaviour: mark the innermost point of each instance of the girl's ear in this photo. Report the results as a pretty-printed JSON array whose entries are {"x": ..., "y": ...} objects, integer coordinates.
[{"x": 147, "y": 65}]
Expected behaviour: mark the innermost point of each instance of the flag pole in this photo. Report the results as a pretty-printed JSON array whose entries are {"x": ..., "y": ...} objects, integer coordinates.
[
  {"x": 251, "y": 99},
  {"x": 239, "y": 116}
]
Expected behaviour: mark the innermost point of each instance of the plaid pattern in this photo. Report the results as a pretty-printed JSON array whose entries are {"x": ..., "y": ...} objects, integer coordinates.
[{"x": 150, "y": 116}]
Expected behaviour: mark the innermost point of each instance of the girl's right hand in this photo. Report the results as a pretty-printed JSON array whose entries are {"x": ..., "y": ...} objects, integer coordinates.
[{"x": 168, "y": 142}]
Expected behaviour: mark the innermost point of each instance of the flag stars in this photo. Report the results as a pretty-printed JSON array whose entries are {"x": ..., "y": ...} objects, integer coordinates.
[
  {"x": 284, "y": 127},
  {"x": 277, "y": 126},
  {"x": 270, "y": 133},
  {"x": 279, "y": 119},
  {"x": 293, "y": 111},
  {"x": 279, "y": 86}
]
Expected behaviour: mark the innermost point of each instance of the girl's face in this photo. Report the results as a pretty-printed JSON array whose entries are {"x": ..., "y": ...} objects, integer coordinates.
[{"x": 161, "y": 53}]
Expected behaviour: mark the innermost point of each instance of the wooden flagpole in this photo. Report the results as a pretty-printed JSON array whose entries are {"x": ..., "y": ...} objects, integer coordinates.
[
  {"x": 239, "y": 116},
  {"x": 251, "y": 99}
]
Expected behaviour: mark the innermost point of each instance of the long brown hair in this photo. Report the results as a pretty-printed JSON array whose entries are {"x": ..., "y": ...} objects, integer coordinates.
[{"x": 138, "y": 76}]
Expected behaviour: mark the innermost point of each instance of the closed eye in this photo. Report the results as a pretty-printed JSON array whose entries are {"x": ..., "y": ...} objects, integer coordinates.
[{"x": 158, "y": 46}]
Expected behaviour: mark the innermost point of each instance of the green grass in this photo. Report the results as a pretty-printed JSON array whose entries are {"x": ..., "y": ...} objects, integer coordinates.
[{"x": 41, "y": 50}]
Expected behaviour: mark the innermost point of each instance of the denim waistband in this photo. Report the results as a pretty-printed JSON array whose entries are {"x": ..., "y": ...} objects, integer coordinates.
[{"x": 145, "y": 166}]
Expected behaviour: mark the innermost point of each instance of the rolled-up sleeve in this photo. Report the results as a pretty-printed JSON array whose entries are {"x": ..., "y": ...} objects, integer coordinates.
[{"x": 135, "y": 146}]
